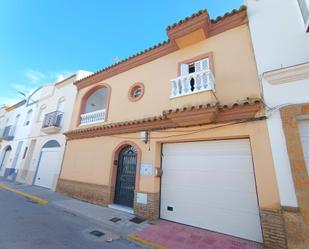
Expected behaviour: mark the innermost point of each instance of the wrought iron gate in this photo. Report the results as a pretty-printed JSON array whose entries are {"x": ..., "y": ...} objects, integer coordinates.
[{"x": 125, "y": 181}]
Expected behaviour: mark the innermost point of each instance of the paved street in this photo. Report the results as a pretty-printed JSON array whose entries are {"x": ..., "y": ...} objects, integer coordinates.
[{"x": 24, "y": 224}]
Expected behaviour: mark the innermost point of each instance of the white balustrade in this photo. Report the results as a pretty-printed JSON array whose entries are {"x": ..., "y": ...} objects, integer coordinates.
[
  {"x": 192, "y": 83},
  {"x": 92, "y": 117}
]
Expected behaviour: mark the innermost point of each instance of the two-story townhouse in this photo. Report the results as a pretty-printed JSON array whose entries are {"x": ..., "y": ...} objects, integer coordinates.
[
  {"x": 280, "y": 39},
  {"x": 46, "y": 141},
  {"x": 178, "y": 132},
  {"x": 2, "y": 123},
  {"x": 13, "y": 135}
]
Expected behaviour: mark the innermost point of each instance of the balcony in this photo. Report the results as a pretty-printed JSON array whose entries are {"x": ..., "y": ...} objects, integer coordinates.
[
  {"x": 92, "y": 117},
  {"x": 192, "y": 83},
  {"x": 8, "y": 133},
  {"x": 52, "y": 122}
]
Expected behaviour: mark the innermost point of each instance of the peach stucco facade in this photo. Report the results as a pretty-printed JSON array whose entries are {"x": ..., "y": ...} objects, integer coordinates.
[
  {"x": 234, "y": 71},
  {"x": 89, "y": 167},
  {"x": 90, "y": 160}
]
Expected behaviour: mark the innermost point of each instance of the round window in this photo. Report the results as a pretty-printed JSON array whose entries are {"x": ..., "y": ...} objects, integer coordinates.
[{"x": 136, "y": 91}]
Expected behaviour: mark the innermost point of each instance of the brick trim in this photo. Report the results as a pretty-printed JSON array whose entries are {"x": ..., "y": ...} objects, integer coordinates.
[
  {"x": 273, "y": 229},
  {"x": 151, "y": 209},
  {"x": 299, "y": 172},
  {"x": 94, "y": 193}
]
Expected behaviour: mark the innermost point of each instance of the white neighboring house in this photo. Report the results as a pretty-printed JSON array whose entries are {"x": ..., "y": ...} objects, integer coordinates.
[
  {"x": 15, "y": 127},
  {"x": 46, "y": 142},
  {"x": 280, "y": 36}
]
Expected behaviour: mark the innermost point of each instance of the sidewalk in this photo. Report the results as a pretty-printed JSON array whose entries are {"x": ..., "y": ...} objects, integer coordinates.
[
  {"x": 158, "y": 234},
  {"x": 115, "y": 221}
]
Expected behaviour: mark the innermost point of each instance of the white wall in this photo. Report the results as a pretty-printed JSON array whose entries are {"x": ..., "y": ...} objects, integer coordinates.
[
  {"x": 279, "y": 41},
  {"x": 278, "y": 33},
  {"x": 50, "y": 97}
]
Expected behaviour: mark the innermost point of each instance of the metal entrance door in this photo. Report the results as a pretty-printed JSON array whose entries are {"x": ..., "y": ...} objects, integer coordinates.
[{"x": 125, "y": 181}]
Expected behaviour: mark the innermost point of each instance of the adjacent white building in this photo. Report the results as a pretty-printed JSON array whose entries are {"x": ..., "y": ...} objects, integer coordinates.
[
  {"x": 32, "y": 140},
  {"x": 15, "y": 127},
  {"x": 279, "y": 32}
]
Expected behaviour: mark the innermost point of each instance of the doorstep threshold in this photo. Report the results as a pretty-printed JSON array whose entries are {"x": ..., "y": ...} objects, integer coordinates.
[{"x": 121, "y": 208}]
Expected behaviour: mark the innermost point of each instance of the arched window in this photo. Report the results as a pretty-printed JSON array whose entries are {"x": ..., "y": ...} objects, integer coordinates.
[
  {"x": 16, "y": 120},
  {"x": 41, "y": 113},
  {"x": 28, "y": 117},
  {"x": 60, "y": 105},
  {"x": 5, "y": 156},
  {"x": 94, "y": 105},
  {"x": 51, "y": 144}
]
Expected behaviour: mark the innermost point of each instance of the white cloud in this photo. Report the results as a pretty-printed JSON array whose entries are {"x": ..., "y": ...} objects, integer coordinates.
[
  {"x": 34, "y": 79},
  {"x": 55, "y": 76},
  {"x": 8, "y": 101},
  {"x": 23, "y": 88},
  {"x": 35, "y": 76}
]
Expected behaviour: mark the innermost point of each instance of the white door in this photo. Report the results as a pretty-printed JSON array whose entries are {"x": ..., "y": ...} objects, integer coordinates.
[
  {"x": 48, "y": 167},
  {"x": 211, "y": 185},
  {"x": 304, "y": 135}
]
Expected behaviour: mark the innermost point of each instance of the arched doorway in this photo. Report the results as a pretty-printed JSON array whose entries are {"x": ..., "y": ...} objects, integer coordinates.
[
  {"x": 48, "y": 165},
  {"x": 5, "y": 157},
  {"x": 125, "y": 178}
]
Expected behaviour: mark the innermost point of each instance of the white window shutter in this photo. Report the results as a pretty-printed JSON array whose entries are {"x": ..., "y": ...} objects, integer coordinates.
[
  {"x": 201, "y": 65},
  {"x": 184, "y": 69},
  {"x": 205, "y": 64},
  {"x": 198, "y": 66}
]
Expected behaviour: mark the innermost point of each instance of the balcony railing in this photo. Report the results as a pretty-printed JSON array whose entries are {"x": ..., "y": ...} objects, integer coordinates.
[
  {"x": 52, "y": 119},
  {"x": 8, "y": 133},
  {"x": 92, "y": 117},
  {"x": 192, "y": 83}
]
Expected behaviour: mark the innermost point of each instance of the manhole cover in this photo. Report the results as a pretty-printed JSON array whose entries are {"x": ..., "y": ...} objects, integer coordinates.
[
  {"x": 115, "y": 219},
  {"x": 97, "y": 233},
  {"x": 137, "y": 220}
]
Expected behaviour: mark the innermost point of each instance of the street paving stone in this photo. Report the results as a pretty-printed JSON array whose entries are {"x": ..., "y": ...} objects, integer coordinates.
[{"x": 27, "y": 225}]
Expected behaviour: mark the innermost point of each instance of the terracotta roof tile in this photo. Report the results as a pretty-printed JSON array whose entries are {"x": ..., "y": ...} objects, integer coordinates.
[
  {"x": 166, "y": 42},
  {"x": 186, "y": 19},
  {"x": 230, "y": 13},
  {"x": 165, "y": 115}
]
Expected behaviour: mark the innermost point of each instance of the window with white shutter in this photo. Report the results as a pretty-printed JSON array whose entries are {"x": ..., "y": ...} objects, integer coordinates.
[
  {"x": 194, "y": 76},
  {"x": 304, "y": 8}
]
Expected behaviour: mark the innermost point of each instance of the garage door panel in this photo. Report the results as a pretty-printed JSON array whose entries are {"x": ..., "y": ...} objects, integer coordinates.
[
  {"x": 217, "y": 162},
  {"x": 220, "y": 220},
  {"x": 47, "y": 168},
  {"x": 232, "y": 180},
  {"x": 211, "y": 185},
  {"x": 217, "y": 198}
]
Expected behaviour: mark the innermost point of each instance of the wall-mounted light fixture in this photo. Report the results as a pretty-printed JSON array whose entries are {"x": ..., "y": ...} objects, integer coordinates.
[{"x": 144, "y": 136}]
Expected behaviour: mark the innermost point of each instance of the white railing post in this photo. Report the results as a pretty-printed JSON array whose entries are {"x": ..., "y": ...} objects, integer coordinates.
[
  {"x": 92, "y": 117},
  {"x": 192, "y": 83}
]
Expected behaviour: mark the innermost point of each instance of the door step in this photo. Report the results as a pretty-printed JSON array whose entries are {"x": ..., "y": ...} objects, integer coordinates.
[{"x": 121, "y": 208}]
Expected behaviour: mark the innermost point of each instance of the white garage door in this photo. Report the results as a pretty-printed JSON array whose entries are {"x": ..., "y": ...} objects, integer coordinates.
[
  {"x": 211, "y": 185},
  {"x": 48, "y": 167},
  {"x": 304, "y": 135}
]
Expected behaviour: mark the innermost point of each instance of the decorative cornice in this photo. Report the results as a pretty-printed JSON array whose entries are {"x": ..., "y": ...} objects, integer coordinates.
[
  {"x": 10, "y": 108},
  {"x": 288, "y": 74},
  {"x": 197, "y": 21},
  {"x": 184, "y": 117}
]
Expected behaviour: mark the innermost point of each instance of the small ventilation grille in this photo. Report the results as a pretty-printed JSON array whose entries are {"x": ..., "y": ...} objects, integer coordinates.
[
  {"x": 97, "y": 233},
  {"x": 137, "y": 220}
]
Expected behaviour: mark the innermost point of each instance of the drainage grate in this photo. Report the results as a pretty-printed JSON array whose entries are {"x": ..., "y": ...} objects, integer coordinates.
[
  {"x": 137, "y": 220},
  {"x": 115, "y": 219},
  {"x": 97, "y": 233}
]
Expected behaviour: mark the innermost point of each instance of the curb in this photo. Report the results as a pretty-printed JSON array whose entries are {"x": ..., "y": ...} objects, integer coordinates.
[
  {"x": 144, "y": 241},
  {"x": 35, "y": 198}
]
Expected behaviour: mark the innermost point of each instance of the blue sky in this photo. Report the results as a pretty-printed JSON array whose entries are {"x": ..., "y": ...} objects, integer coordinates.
[{"x": 40, "y": 40}]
